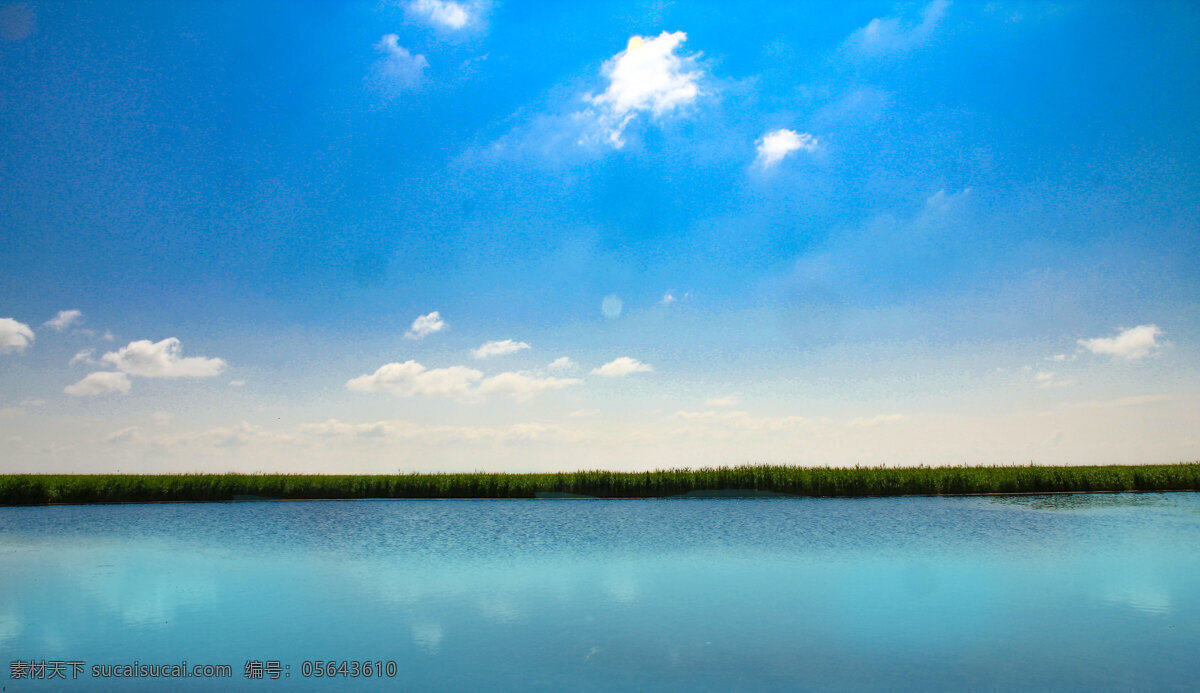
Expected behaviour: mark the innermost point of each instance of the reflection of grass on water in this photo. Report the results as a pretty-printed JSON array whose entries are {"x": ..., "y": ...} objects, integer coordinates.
[
  {"x": 36, "y": 489},
  {"x": 1081, "y": 501}
]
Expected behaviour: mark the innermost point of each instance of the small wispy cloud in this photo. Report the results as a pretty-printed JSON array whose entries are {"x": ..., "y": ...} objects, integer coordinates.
[
  {"x": 498, "y": 348},
  {"x": 562, "y": 363},
  {"x": 777, "y": 144},
  {"x": 129, "y": 434},
  {"x": 620, "y": 367},
  {"x": 425, "y": 325},
  {"x": 884, "y": 35},
  {"x": 398, "y": 70},
  {"x": 82, "y": 356},
  {"x": 64, "y": 319},
  {"x": 1046, "y": 379},
  {"x": 1134, "y": 401},
  {"x": 726, "y": 401}
]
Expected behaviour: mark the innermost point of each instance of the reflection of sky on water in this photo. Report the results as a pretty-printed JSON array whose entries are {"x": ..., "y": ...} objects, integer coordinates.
[{"x": 618, "y": 594}]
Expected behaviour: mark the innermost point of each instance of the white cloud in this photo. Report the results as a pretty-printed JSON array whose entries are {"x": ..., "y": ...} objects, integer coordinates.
[
  {"x": 1121, "y": 402},
  {"x": 562, "y": 363},
  {"x": 407, "y": 430},
  {"x": 647, "y": 77},
  {"x": 743, "y": 420},
  {"x": 398, "y": 69},
  {"x": 237, "y": 383},
  {"x": 130, "y": 434},
  {"x": 893, "y": 35},
  {"x": 668, "y": 298},
  {"x": 1131, "y": 344},
  {"x": 425, "y": 325},
  {"x": 64, "y": 319},
  {"x": 867, "y": 422},
  {"x": 243, "y": 433},
  {"x": 621, "y": 367},
  {"x": 443, "y": 14},
  {"x": 941, "y": 204},
  {"x": 33, "y": 403},
  {"x": 1045, "y": 379},
  {"x": 11, "y": 412},
  {"x": 777, "y": 144},
  {"x": 101, "y": 383},
  {"x": 14, "y": 336},
  {"x": 499, "y": 348},
  {"x": 611, "y": 307},
  {"x": 162, "y": 360},
  {"x": 522, "y": 386},
  {"x": 410, "y": 379},
  {"x": 727, "y": 401},
  {"x": 162, "y": 418},
  {"x": 82, "y": 356}
]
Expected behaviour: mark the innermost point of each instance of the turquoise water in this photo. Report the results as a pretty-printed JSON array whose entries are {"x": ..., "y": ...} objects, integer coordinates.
[{"x": 1066, "y": 593}]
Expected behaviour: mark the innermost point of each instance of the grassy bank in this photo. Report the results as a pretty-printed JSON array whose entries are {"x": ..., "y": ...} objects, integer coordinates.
[{"x": 39, "y": 489}]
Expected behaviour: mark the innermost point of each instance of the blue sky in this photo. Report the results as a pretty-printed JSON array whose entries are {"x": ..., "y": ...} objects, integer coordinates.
[{"x": 842, "y": 233}]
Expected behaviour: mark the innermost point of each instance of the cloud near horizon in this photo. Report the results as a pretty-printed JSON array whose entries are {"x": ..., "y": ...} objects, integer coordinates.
[{"x": 411, "y": 379}]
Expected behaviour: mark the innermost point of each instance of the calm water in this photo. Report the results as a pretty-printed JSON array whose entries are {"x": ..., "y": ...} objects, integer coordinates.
[{"x": 1069, "y": 593}]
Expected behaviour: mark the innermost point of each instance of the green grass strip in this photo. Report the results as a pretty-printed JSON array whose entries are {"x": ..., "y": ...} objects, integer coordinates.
[{"x": 41, "y": 489}]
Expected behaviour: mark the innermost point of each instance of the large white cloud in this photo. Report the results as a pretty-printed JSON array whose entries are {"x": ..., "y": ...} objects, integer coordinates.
[
  {"x": 647, "y": 77},
  {"x": 14, "y": 336},
  {"x": 162, "y": 360},
  {"x": 884, "y": 35},
  {"x": 102, "y": 383},
  {"x": 1131, "y": 344},
  {"x": 777, "y": 144},
  {"x": 522, "y": 386},
  {"x": 398, "y": 69},
  {"x": 443, "y": 14},
  {"x": 426, "y": 325},
  {"x": 621, "y": 367},
  {"x": 410, "y": 379},
  {"x": 64, "y": 319},
  {"x": 499, "y": 348}
]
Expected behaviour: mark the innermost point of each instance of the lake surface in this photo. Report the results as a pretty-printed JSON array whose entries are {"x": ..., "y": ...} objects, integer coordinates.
[{"x": 1085, "y": 592}]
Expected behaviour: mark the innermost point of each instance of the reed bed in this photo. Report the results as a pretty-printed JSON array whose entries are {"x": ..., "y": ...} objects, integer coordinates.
[{"x": 41, "y": 489}]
